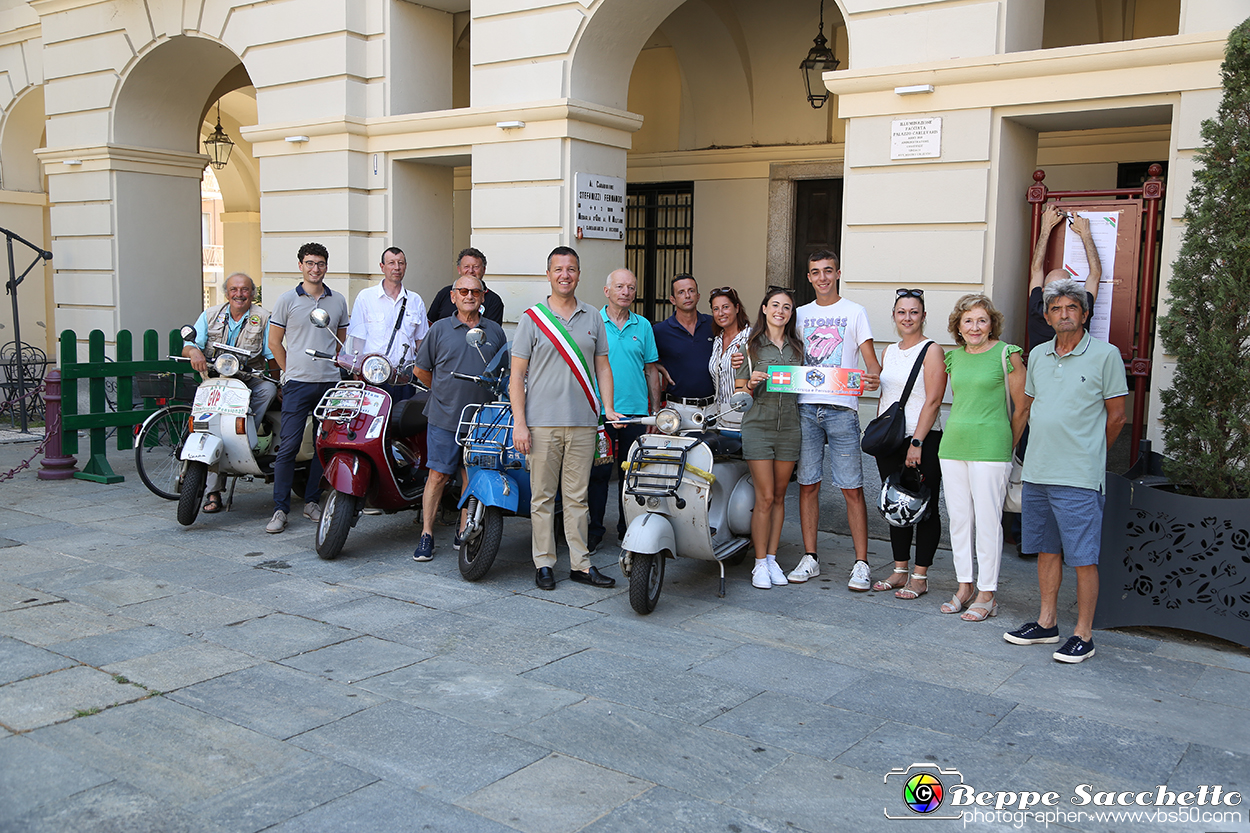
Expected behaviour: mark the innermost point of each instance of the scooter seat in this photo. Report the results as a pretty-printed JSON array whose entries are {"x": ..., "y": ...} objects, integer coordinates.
[{"x": 408, "y": 418}]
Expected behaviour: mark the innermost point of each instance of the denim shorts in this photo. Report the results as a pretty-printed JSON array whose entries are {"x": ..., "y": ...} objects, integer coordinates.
[
  {"x": 1062, "y": 519},
  {"x": 442, "y": 451},
  {"x": 839, "y": 427}
]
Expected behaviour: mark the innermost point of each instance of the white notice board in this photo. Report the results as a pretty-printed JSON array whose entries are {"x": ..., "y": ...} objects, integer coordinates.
[
  {"x": 600, "y": 206},
  {"x": 916, "y": 138}
]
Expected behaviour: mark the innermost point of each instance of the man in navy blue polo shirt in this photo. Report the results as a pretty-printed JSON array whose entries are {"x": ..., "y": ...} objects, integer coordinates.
[{"x": 684, "y": 342}]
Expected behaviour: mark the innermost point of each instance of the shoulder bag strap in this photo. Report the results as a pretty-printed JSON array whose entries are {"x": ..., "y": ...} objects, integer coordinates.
[
  {"x": 915, "y": 371},
  {"x": 399, "y": 319}
]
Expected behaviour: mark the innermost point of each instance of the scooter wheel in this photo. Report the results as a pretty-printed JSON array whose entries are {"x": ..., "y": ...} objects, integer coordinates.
[
  {"x": 478, "y": 553},
  {"x": 192, "y": 491},
  {"x": 646, "y": 577}
]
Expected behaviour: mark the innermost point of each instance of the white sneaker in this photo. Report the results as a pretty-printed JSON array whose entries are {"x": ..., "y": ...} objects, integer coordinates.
[
  {"x": 312, "y": 511},
  {"x": 808, "y": 568},
  {"x": 759, "y": 574},
  {"x": 278, "y": 522},
  {"x": 860, "y": 577},
  {"x": 776, "y": 574}
]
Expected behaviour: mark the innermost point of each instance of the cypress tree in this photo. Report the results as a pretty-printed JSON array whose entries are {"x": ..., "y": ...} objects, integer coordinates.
[{"x": 1206, "y": 414}]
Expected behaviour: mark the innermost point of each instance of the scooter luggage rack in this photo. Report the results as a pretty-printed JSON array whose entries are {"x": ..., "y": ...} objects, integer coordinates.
[
  {"x": 341, "y": 403},
  {"x": 485, "y": 433},
  {"x": 663, "y": 481}
]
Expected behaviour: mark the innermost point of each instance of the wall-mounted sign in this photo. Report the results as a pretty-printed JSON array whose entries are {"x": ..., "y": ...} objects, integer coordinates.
[
  {"x": 916, "y": 138},
  {"x": 600, "y": 204}
]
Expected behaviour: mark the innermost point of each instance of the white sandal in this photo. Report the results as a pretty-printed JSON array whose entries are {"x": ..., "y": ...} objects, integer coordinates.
[{"x": 882, "y": 586}]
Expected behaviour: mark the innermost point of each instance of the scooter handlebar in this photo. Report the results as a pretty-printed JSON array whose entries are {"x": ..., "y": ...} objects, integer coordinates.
[{"x": 317, "y": 354}]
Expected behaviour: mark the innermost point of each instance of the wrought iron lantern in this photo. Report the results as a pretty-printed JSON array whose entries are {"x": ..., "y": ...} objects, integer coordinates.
[
  {"x": 218, "y": 144},
  {"x": 820, "y": 59}
]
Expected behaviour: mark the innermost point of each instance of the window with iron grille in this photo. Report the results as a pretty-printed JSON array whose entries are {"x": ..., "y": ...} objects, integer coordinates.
[{"x": 659, "y": 232}]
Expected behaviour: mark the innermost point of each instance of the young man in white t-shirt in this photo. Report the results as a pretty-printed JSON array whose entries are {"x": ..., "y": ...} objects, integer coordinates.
[{"x": 835, "y": 333}]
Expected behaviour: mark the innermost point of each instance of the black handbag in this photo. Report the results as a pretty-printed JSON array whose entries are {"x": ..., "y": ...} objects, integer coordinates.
[{"x": 887, "y": 434}]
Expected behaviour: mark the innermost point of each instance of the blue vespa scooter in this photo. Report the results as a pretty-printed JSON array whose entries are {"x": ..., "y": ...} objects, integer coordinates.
[{"x": 498, "y": 476}]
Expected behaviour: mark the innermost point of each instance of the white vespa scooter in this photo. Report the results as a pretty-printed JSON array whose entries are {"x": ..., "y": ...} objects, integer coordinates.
[
  {"x": 223, "y": 435},
  {"x": 681, "y": 500}
]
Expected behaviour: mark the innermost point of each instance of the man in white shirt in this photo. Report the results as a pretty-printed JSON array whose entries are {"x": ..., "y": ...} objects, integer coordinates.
[
  {"x": 835, "y": 334},
  {"x": 389, "y": 320}
]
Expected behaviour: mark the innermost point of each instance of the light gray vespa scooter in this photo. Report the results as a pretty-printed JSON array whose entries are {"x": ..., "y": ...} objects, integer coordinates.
[{"x": 681, "y": 501}]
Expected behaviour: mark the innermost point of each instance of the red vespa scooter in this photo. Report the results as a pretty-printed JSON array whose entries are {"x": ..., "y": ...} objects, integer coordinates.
[{"x": 372, "y": 448}]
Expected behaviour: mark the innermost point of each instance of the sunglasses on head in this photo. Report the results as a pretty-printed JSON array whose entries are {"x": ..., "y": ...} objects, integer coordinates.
[{"x": 909, "y": 293}]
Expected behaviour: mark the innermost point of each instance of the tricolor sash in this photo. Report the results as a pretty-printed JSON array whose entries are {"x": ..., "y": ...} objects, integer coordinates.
[{"x": 551, "y": 326}]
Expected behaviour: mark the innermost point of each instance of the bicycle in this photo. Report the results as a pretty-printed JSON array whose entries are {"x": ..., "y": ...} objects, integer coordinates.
[{"x": 158, "y": 441}]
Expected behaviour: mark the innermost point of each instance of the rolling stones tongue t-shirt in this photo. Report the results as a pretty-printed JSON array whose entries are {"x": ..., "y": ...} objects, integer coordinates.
[{"x": 831, "y": 337}]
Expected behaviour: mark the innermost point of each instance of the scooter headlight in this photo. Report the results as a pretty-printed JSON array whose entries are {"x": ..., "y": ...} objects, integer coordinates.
[
  {"x": 227, "y": 364},
  {"x": 376, "y": 370},
  {"x": 668, "y": 421}
]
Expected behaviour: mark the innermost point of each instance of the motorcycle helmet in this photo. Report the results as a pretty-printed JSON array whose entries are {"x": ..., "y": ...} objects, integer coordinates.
[{"x": 905, "y": 497}]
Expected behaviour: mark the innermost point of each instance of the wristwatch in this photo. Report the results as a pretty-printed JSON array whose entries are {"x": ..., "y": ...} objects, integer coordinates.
[{"x": 916, "y": 443}]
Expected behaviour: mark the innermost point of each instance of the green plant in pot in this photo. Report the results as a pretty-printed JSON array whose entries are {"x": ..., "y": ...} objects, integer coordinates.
[{"x": 1179, "y": 556}]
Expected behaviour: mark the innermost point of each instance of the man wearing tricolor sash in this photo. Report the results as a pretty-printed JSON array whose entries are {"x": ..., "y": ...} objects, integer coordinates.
[{"x": 562, "y": 346}]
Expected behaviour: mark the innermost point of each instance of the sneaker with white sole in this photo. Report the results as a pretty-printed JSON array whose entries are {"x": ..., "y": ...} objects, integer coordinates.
[
  {"x": 1031, "y": 633},
  {"x": 312, "y": 511},
  {"x": 776, "y": 573},
  {"x": 808, "y": 568},
  {"x": 1075, "y": 650},
  {"x": 861, "y": 577},
  {"x": 278, "y": 522},
  {"x": 759, "y": 574}
]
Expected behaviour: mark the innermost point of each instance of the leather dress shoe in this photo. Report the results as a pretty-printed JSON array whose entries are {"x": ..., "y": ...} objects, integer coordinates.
[
  {"x": 545, "y": 579},
  {"x": 592, "y": 576}
]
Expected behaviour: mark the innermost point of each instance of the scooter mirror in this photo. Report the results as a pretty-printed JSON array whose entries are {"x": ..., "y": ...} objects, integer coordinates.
[
  {"x": 187, "y": 332},
  {"x": 319, "y": 318},
  {"x": 741, "y": 401},
  {"x": 475, "y": 336}
]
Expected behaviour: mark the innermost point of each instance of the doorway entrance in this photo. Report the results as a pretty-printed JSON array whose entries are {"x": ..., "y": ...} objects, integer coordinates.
[{"x": 817, "y": 225}]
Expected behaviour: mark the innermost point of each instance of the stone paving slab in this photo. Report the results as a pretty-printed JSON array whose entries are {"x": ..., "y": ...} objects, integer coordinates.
[
  {"x": 296, "y": 595},
  {"x": 385, "y": 806},
  {"x": 275, "y": 700},
  {"x": 557, "y": 794},
  {"x": 278, "y": 635},
  {"x": 51, "y": 698},
  {"x": 33, "y": 776},
  {"x": 650, "y": 686},
  {"x": 372, "y": 614},
  {"x": 178, "y": 754},
  {"x": 795, "y": 724},
  {"x": 356, "y": 660},
  {"x": 107, "y": 648},
  {"x": 418, "y": 749},
  {"x": 662, "y": 810},
  {"x": 896, "y": 745},
  {"x": 952, "y": 711},
  {"x": 182, "y": 666},
  {"x": 696, "y": 760},
  {"x": 19, "y": 661},
  {"x": 59, "y": 622},
  {"x": 195, "y": 611},
  {"x": 19, "y": 597},
  {"x": 113, "y": 806},
  {"x": 494, "y": 700},
  {"x": 782, "y": 671},
  {"x": 646, "y": 639},
  {"x": 810, "y": 794}
]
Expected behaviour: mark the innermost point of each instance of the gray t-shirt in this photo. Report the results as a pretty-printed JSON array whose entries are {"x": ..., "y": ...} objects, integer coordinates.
[
  {"x": 444, "y": 351},
  {"x": 554, "y": 397},
  {"x": 291, "y": 313}
]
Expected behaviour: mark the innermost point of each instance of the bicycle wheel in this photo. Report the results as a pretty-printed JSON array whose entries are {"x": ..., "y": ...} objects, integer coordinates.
[{"x": 157, "y": 446}]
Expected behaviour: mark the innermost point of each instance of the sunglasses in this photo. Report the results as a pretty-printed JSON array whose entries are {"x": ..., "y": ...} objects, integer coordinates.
[
  {"x": 909, "y": 293},
  {"x": 727, "y": 291},
  {"x": 465, "y": 293}
]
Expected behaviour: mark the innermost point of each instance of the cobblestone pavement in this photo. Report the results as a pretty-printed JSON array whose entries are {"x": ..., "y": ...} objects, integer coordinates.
[{"x": 215, "y": 678}]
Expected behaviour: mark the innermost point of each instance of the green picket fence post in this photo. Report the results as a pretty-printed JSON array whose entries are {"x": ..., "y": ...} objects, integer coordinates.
[
  {"x": 69, "y": 393},
  {"x": 97, "y": 468}
]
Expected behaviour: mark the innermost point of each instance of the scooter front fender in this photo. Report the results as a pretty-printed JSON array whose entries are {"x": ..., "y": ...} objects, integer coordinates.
[
  {"x": 492, "y": 488},
  {"x": 650, "y": 533},
  {"x": 202, "y": 447},
  {"x": 349, "y": 473}
]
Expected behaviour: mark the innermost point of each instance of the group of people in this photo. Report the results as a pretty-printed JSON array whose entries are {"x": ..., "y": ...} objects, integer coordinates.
[{"x": 578, "y": 370}]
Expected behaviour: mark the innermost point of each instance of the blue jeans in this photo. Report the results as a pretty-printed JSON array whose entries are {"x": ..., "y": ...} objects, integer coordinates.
[
  {"x": 597, "y": 498},
  {"x": 839, "y": 427},
  {"x": 298, "y": 401}
]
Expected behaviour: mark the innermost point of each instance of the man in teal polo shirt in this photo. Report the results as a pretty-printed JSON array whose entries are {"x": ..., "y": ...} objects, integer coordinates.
[
  {"x": 1074, "y": 406},
  {"x": 633, "y": 356}
]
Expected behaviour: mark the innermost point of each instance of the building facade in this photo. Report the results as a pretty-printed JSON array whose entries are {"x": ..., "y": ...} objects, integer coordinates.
[{"x": 450, "y": 123}]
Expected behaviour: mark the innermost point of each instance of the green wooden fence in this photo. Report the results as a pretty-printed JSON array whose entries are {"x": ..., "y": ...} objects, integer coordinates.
[{"x": 95, "y": 370}]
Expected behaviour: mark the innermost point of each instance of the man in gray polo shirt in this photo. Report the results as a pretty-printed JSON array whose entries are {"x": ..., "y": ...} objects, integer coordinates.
[
  {"x": 304, "y": 379},
  {"x": 1074, "y": 406},
  {"x": 445, "y": 351},
  {"x": 554, "y": 421}
]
